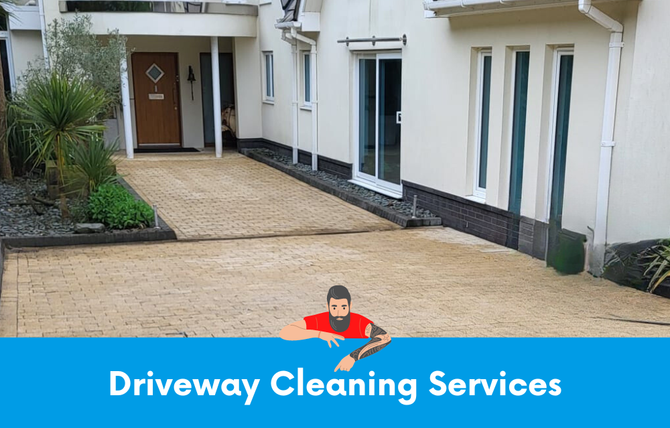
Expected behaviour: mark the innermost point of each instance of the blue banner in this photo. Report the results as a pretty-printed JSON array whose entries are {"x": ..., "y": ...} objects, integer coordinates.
[{"x": 259, "y": 382}]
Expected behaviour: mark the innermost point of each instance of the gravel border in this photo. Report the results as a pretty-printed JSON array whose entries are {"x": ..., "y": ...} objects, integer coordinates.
[
  {"x": 383, "y": 206},
  {"x": 150, "y": 234}
]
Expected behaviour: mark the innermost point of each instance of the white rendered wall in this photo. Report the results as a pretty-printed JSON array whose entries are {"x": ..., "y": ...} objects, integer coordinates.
[
  {"x": 438, "y": 120},
  {"x": 639, "y": 204},
  {"x": 26, "y": 48}
]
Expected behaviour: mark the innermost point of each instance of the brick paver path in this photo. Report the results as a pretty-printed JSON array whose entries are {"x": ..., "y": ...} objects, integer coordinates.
[
  {"x": 202, "y": 197},
  {"x": 429, "y": 282}
]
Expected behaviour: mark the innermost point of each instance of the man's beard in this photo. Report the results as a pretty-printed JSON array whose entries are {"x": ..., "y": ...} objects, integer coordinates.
[{"x": 339, "y": 325}]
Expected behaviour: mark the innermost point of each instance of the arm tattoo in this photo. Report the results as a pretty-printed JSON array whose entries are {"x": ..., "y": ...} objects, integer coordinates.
[{"x": 378, "y": 341}]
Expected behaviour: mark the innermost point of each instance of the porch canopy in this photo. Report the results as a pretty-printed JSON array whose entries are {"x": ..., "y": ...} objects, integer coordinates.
[{"x": 447, "y": 8}]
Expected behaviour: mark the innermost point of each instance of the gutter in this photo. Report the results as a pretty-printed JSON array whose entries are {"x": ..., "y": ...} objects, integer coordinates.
[
  {"x": 447, "y": 8},
  {"x": 609, "y": 122}
]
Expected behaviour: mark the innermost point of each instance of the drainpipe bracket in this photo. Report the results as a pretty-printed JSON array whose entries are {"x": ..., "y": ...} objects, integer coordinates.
[
  {"x": 607, "y": 144},
  {"x": 617, "y": 45}
]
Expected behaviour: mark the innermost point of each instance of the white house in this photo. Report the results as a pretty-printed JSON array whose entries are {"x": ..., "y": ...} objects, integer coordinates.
[{"x": 520, "y": 121}]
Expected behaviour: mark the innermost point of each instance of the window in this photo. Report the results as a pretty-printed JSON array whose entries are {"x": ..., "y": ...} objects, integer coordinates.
[
  {"x": 520, "y": 90},
  {"x": 483, "y": 107},
  {"x": 269, "y": 94},
  {"x": 562, "y": 94},
  {"x": 307, "y": 73}
]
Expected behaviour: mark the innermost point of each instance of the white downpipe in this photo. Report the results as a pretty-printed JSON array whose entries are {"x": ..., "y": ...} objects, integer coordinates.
[
  {"x": 293, "y": 37},
  {"x": 609, "y": 123},
  {"x": 125, "y": 103},
  {"x": 43, "y": 32},
  {"x": 216, "y": 96},
  {"x": 294, "y": 101},
  {"x": 315, "y": 109}
]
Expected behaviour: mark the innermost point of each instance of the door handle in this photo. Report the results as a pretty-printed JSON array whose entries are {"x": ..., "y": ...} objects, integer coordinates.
[{"x": 398, "y": 118}]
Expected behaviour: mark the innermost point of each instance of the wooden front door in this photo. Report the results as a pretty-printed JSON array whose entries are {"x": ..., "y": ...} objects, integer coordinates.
[{"x": 156, "y": 87}]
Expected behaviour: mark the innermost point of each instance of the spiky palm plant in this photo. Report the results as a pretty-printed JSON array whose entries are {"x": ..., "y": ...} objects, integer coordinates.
[
  {"x": 64, "y": 112},
  {"x": 657, "y": 262}
]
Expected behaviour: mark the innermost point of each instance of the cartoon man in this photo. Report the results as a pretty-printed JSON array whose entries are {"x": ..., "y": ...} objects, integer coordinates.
[{"x": 339, "y": 323}]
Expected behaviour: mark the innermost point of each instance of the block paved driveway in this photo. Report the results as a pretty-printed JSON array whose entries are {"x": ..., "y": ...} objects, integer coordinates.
[
  {"x": 428, "y": 282},
  {"x": 202, "y": 197}
]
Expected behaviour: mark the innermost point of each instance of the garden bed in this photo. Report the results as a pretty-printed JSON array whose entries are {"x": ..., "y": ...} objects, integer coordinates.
[
  {"x": 21, "y": 226},
  {"x": 626, "y": 264},
  {"x": 397, "y": 211}
]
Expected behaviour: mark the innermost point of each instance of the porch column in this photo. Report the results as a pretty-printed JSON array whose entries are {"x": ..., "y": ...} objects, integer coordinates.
[
  {"x": 216, "y": 96},
  {"x": 125, "y": 104},
  {"x": 295, "y": 87}
]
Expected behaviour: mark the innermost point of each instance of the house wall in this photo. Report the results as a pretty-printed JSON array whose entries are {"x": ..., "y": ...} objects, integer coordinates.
[
  {"x": 26, "y": 48},
  {"x": 639, "y": 203},
  {"x": 438, "y": 97},
  {"x": 247, "y": 63},
  {"x": 167, "y": 24}
]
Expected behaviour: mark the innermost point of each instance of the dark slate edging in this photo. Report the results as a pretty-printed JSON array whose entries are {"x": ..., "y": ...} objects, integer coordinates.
[
  {"x": 384, "y": 212},
  {"x": 164, "y": 233},
  {"x": 331, "y": 166},
  {"x": 144, "y": 235}
]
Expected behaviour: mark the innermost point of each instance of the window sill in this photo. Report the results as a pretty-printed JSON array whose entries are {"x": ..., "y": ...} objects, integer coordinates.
[
  {"x": 477, "y": 199},
  {"x": 269, "y": 102},
  {"x": 306, "y": 107}
]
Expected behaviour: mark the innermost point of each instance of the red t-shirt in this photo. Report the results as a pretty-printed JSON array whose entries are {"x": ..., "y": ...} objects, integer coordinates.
[{"x": 356, "y": 330}]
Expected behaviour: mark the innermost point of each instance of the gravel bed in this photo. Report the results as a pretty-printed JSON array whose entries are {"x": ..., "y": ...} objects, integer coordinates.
[
  {"x": 21, "y": 220},
  {"x": 374, "y": 197}
]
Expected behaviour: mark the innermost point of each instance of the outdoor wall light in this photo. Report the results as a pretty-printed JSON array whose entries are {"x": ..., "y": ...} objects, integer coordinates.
[{"x": 191, "y": 79}]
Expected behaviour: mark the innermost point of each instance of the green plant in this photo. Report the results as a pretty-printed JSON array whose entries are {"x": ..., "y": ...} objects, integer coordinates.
[
  {"x": 22, "y": 141},
  {"x": 93, "y": 164},
  {"x": 657, "y": 263},
  {"x": 113, "y": 206},
  {"x": 76, "y": 52},
  {"x": 63, "y": 110}
]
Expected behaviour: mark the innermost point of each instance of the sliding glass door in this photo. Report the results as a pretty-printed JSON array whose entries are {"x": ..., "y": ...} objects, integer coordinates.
[{"x": 379, "y": 119}]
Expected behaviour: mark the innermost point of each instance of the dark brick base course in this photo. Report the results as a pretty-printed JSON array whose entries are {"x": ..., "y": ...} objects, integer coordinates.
[
  {"x": 331, "y": 166},
  {"x": 493, "y": 224},
  {"x": 490, "y": 223},
  {"x": 533, "y": 237}
]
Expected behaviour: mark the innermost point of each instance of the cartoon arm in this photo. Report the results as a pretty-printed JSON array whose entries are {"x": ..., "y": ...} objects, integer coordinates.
[
  {"x": 298, "y": 331},
  {"x": 378, "y": 341}
]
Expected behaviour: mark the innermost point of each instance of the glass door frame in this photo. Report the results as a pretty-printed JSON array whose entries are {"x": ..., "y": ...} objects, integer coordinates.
[
  {"x": 558, "y": 54},
  {"x": 361, "y": 178}
]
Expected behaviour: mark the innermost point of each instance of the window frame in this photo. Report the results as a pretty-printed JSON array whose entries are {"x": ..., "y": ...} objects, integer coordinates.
[
  {"x": 268, "y": 77},
  {"x": 7, "y": 37},
  {"x": 477, "y": 191},
  {"x": 558, "y": 53},
  {"x": 512, "y": 118},
  {"x": 306, "y": 80}
]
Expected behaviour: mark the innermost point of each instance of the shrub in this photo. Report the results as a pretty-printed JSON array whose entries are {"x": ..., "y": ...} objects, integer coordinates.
[
  {"x": 93, "y": 165},
  {"x": 63, "y": 111},
  {"x": 22, "y": 141},
  {"x": 113, "y": 206},
  {"x": 657, "y": 261}
]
